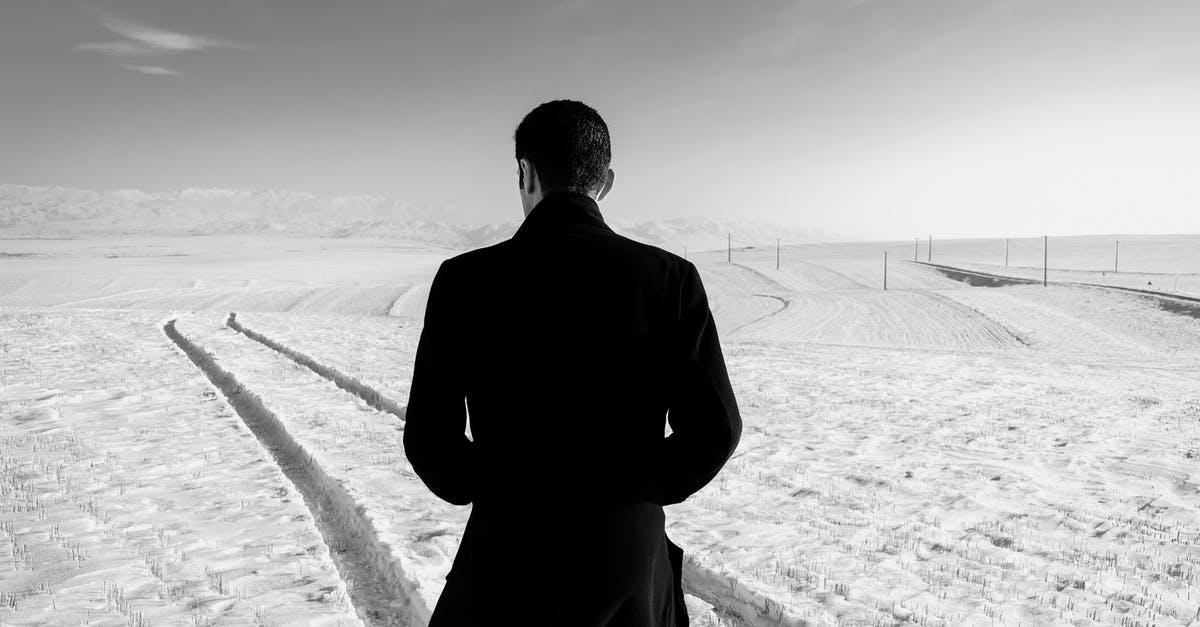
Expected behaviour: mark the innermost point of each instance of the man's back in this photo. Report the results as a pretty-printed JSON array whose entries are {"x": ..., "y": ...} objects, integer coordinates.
[{"x": 570, "y": 345}]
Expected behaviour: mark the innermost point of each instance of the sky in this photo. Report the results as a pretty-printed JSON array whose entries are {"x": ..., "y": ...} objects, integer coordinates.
[{"x": 871, "y": 119}]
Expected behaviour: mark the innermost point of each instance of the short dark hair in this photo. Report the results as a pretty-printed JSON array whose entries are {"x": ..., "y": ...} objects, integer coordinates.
[{"x": 567, "y": 141}]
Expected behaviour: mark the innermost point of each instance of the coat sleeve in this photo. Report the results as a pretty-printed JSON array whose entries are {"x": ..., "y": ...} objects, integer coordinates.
[
  {"x": 703, "y": 413},
  {"x": 435, "y": 441}
]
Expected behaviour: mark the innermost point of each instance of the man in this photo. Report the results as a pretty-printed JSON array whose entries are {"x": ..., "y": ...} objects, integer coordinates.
[{"x": 570, "y": 345}]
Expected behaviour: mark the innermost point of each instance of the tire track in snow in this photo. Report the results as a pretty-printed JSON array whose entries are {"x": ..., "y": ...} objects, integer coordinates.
[
  {"x": 999, "y": 331},
  {"x": 988, "y": 329},
  {"x": 398, "y": 300},
  {"x": 378, "y": 588},
  {"x": 307, "y": 296},
  {"x": 411, "y": 303},
  {"x": 734, "y": 603},
  {"x": 762, "y": 275},
  {"x": 837, "y": 273},
  {"x": 772, "y": 283},
  {"x": 786, "y": 303},
  {"x": 368, "y": 394},
  {"x": 732, "y": 600},
  {"x": 71, "y": 303},
  {"x": 828, "y": 272}
]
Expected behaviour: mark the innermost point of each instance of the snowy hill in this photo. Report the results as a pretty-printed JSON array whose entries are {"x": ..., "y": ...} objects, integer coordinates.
[
  {"x": 57, "y": 211},
  {"x": 63, "y": 212},
  {"x": 708, "y": 234}
]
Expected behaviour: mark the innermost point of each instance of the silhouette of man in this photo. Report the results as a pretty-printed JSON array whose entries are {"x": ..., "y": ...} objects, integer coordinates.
[{"x": 569, "y": 345}]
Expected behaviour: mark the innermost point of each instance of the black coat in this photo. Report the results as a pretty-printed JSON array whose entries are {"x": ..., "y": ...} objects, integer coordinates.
[{"x": 570, "y": 344}]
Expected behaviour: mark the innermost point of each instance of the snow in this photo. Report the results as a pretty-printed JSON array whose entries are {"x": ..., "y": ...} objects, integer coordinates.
[
  {"x": 132, "y": 495},
  {"x": 935, "y": 453},
  {"x": 227, "y": 273},
  {"x": 354, "y": 454},
  {"x": 1165, "y": 263}
]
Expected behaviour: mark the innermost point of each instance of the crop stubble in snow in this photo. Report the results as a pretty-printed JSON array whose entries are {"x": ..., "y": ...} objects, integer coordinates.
[
  {"x": 960, "y": 475},
  {"x": 358, "y": 450},
  {"x": 379, "y": 597},
  {"x": 132, "y": 495},
  {"x": 936, "y": 454}
]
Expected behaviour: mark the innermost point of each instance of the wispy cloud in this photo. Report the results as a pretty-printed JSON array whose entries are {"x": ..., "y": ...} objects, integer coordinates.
[
  {"x": 142, "y": 40},
  {"x": 117, "y": 48},
  {"x": 152, "y": 70}
]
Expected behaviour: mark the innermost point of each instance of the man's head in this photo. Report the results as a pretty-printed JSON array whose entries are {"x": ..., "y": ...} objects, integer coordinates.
[{"x": 562, "y": 146}]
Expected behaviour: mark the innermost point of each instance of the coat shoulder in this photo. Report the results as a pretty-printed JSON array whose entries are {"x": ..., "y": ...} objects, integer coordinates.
[
  {"x": 615, "y": 244},
  {"x": 663, "y": 262},
  {"x": 477, "y": 257}
]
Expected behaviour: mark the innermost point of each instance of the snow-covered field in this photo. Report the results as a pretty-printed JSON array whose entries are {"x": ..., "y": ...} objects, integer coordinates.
[
  {"x": 935, "y": 454},
  {"x": 1163, "y": 263},
  {"x": 130, "y": 493}
]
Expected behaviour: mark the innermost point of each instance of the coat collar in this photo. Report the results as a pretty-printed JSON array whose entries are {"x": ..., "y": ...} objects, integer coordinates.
[{"x": 560, "y": 211}]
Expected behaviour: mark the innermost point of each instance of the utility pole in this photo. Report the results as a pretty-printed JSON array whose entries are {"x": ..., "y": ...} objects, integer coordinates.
[
  {"x": 931, "y": 248},
  {"x": 885, "y": 270},
  {"x": 1045, "y": 260},
  {"x": 685, "y": 251},
  {"x": 916, "y": 247},
  {"x": 1117, "y": 258},
  {"x": 1006, "y": 252},
  {"x": 776, "y": 253}
]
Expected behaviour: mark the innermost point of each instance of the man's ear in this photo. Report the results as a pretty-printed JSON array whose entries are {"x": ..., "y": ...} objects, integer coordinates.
[
  {"x": 527, "y": 175},
  {"x": 608, "y": 182}
]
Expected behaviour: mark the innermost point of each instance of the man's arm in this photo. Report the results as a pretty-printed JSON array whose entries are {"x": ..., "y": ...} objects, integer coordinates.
[
  {"x": 435, "y": 421},
  {"x": 703, "y": 414}
]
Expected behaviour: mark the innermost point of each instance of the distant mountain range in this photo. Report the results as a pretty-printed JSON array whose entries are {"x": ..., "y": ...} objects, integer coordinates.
[{"x": 28, "y": 211}]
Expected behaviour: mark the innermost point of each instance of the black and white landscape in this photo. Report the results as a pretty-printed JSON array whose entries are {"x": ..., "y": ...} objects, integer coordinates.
[
  {"x": 953, "y": 447},
  {"x": 952, "y": 249}
]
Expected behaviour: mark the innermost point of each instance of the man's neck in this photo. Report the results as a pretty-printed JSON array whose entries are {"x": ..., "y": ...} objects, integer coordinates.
[{"x": 539, "y": 197}]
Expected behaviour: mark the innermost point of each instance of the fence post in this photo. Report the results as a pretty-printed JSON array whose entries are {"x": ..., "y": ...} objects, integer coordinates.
[
  {"x": 1006, "y": 252},
  {"x": 1045, "y": 260},
  {"x": 930, "y": 248},
  {"x": 885, "y": 270},
  {"x": 916, "y": 247},
  {"x": 776, "y": 253},
  {"x": 729, "y": 247},
  {"x": 1117, "y": 258}
]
